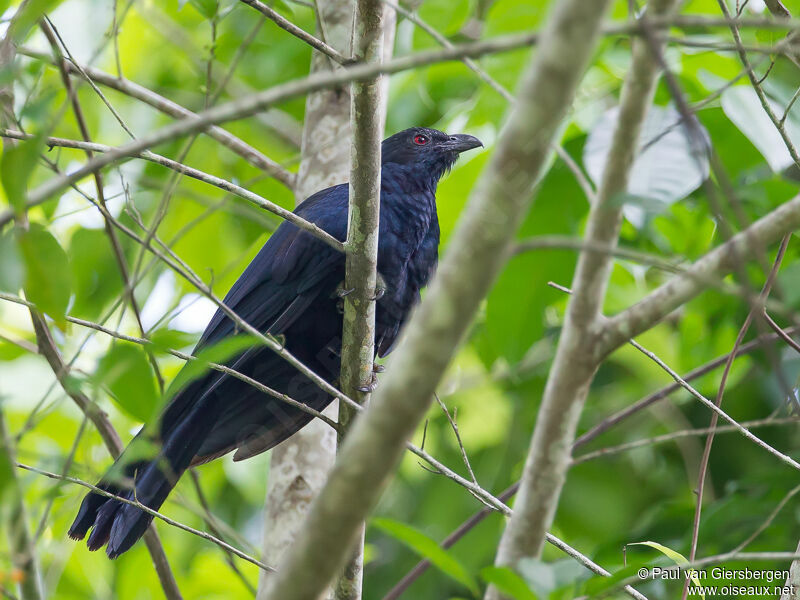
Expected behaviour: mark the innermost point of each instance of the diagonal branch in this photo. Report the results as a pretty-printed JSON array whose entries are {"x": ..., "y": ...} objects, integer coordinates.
[
  {"x": 300, "y": 34},
  {"x": 257, "y": 102},
  {"x": 617, "y": 330},
  {"x": 476, "y": 255},
  {"x": 576, "y": 360},
  {"x": 173, "y": 109},
  {"x": 183, "y": 169},
  {"x": 48, "y": 349},
  {"x": 119, "y": 255}
]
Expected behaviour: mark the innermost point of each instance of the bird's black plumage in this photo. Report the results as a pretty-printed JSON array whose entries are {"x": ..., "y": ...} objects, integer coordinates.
[{"x": 289, "y": 289}]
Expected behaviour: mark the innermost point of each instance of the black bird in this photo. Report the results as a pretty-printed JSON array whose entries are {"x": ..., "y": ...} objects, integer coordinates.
[{"x": 292, "y": 288}]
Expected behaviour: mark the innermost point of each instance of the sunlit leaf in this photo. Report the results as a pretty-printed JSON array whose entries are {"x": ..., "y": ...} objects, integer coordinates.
[
  {"x": 675, "y": 556},
  {"x": 29, "y": 14},
  {"x": 12, "y": 268},
  {"x": 47, "y": 271},
  {"x": 16, "y": 167},
  {"x": 95, "y": 273},
  {"x": 125, "y": 371}
]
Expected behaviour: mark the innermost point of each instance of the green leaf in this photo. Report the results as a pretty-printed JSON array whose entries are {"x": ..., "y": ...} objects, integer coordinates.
[
  {"x": 166, "y": 339},
  {"x": 675, "y": 556},
  {"x": 29, "y": 14},
  {"x": 95, "y": 273},
  {"x": 508, "y": 582},
  {"x": 47, "y": 271},
  {"x": 596, "y": 586},
  {"x": 207, "y": 8},
  {"x": 743, "y": 107},
  {"x": 12, "y": 269},
  {"x": 427, "y": 548},
  {"x": 16, "y": 167},
  {"x": 667, "y": 168},
  {"x": 126, "y": 373},
  {"x": 218, "y": 353}
]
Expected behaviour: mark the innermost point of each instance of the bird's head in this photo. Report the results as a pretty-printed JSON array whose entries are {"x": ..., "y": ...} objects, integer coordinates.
[{"x": 427, "y": 151}]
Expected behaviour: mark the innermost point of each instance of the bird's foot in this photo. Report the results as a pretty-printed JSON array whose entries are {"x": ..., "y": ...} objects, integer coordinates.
[
  {"x": 341, "y": 292},
  {"x": 376, "y": 368},
  {"x": 380, "y": 287},
  {"x": 372, "y": 385}
]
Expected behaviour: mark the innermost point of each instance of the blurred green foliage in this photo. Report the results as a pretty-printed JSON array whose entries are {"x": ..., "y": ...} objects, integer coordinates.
[{"x": 66, "y": 265}]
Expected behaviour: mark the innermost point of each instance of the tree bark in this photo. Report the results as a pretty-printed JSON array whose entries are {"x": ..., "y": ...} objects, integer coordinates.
[
  {"x": 361, "y": 273},
  {"x": 577, "y": 356},
  {"x": 299, "y": 466},
  {"x": 477, "y": 253}
]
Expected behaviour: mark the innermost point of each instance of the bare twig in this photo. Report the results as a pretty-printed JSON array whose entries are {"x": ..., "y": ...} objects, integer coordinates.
[
  {"x": 745, "y": 432},
  {"x": 703, "y": 470},
  {"x": 202, "y": 534},
  {"x": 162, "y": 104},
  {"x": 178, "y": 167},
  {"x": 287, "y": 25},
  {"x": 20, "y": 542}
]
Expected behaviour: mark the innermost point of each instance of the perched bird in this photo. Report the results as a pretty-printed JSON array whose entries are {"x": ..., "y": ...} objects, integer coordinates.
[{"x": 292, "y": 289}]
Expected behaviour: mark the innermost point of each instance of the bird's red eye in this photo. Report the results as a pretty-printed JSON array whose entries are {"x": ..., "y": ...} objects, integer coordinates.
[{"x": 420, "y": 140}]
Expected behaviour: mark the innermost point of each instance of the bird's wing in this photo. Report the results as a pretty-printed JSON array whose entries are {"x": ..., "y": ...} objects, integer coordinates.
[{"x": 276, "y": 288}]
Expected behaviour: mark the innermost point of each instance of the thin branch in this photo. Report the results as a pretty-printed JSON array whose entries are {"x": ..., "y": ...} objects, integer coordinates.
[
  {"x": 21, "y": 545},
  {"x": 162, "y": 104},
  {"x": 677, "y": 435},
  {"x": 745, "y": 432},
  {"x": 703, "y": 470},
  {"x": 256, "y": 102},
  {"x": 618, "y": 329},
  {"x": 478, "y": 249},
  {"x": 300, "y": 34},
  {"x": 780, "y": 331},
  {"x": 576, "y": 359},
  {"x": 51, "y": 354},
  {"x": 361, "y": 259},
  {"x": 50, "y": 33},
  {"x": 202, "y": 534},
  {"x": 584, "y": 439},
  {"x": 48, "y": 349},
  {"x": 770, "y": 518},
  {"x": 178, "y": 167}
]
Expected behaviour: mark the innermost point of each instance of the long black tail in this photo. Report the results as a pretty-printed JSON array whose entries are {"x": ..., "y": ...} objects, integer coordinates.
[{"x": 120, "y": 525}]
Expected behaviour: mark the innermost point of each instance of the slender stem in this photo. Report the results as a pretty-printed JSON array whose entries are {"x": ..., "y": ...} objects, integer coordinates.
[
  {"x": 576, "y": 357},
  {"x": 21, "y": 544}
]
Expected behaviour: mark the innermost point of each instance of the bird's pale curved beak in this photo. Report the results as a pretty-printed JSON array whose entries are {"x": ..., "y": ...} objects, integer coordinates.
[{"x": 462, "y": 142}]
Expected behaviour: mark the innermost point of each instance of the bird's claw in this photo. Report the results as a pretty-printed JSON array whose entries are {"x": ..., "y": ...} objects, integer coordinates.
[
  {"x": 380, "y": 287},
  {"x": 371, "y": 386},
  {"x": 376, "y": 368},
  {"x": 341, "y": 292}
]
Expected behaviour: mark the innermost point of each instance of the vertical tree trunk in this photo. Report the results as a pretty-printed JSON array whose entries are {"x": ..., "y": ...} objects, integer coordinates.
[
  {"x": 358, "y": 337},
  {"x": 299, "y": 466}
]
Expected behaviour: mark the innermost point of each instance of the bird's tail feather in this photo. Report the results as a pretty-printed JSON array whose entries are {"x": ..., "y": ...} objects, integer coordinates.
[{"x": 118, "y": 524}]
